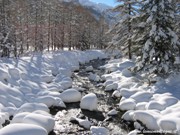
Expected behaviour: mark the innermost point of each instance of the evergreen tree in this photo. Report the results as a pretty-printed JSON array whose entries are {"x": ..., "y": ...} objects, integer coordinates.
[
  {"x": 124, "y": 28},
  {"x": 159, "y": 41}
]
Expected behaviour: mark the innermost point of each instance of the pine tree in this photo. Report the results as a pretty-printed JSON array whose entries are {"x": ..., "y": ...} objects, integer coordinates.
[
  {"x": 159, "y": 41},
  {"x": 124, "y": 28}
]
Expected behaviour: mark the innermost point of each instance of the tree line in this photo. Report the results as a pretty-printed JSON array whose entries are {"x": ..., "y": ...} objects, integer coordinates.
[{"x": 43, "y": 25}]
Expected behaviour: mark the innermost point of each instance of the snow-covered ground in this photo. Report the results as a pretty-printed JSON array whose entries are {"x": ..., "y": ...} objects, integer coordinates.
[
  {"x": 30, "y": 85},
  {"x": 154, "y": 107}
]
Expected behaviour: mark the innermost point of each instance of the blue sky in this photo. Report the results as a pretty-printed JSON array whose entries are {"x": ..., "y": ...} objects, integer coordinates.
[{"x": 108, "y": 2}]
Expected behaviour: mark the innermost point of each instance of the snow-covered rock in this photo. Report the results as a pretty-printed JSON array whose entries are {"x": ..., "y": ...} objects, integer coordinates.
[
  {"x": 116, "y": 93},
  {"x": 50, "y": 101},
  {"x": 70, "y": 96},
  {"x": 89, "y": 69},
  {"x": 127, "y": 104},
  {"x": 99, "y": 130},
  {"x": 46, "y": 122},
  {"x": 65, "y": 72},
  {"x": 111, "y": 87},
  {"x": 94, "y": 77},
  {"x": 89, "y": 102},
  {"x": 126, "y": 73},
  {"x": 112, "y": 112},
  {"x": 23, "y": 129},
  {"x": 66, "y": 84},
  {"x": 46, "y": 78},
  {"x": 18, "y": 118},
  {"x": 31, "y": 107},
  {"x": 14, "y": 73},
  {"x": 82, "y": 122}
]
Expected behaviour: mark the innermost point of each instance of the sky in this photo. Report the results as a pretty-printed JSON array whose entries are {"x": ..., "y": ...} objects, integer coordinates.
[{"x": 108, "y": 2}]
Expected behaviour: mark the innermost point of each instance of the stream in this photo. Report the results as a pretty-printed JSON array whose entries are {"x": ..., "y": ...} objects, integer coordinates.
[{"x": 106, "y": 102}]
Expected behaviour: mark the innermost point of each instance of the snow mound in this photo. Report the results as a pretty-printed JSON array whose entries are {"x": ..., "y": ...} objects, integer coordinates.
[
  {"x": 84, "y": 123},
  {"x": 112, "y": 112},
  {"x": 94, "y": 77},
  {"x": 89, "y": 102},
  {"x": 46, "y": 78},
  {"x": 126, "y": 73},
  {"x": 127, "y": 104},
  {"x": 50, "y": 101},
  {"x": 89, "y": 69},
  {"x": 148, "y": 118},
  {"x": 65, "y": 72},
  {"x": 70, "y": 96},
  {"x": 46, "y": 122},
  {"x": 116, "y": 93},
  {"x": 31, "y": 107},
  {"x": 142, "y": 96},
  {"x": 66, "y": 84},
  {"x": 23, "y": 129},
  {"x": 14, "y": 73},
  {"x": 99, "y": 130},
  {"x": 111, "y": 87}
]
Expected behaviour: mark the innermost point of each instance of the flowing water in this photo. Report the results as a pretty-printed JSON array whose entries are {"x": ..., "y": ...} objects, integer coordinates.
[{"x": 106, "y": 103}]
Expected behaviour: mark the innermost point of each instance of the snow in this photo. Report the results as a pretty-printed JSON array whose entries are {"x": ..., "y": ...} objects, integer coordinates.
[
  {"x": 155, "y": 106},
  {"x": 112, "y": 112},
  {"x": 89, "y": 102},
  {"x": 94, "y": 77},
  {"x": 127, "y": 104},
  {"x": 70, "y": 96},
  {"x": 23, "y": 129},
  {"x": 46, "y": 122},
  {"x": 89, "y": 69},
  {"x": 30, "y": 85},
  {"x": 111, "y": 87},
  {"x": 99, "y": 130},
  {"x": 84, "y": 123}
]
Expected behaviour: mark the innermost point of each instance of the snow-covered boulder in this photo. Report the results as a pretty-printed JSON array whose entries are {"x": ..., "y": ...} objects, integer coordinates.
[
  {"x": 50, "y": 101},
  {"x": 89, "y": 69},
  {"x": 116, "y": 93},
  {"x": 108, "y": 82},
  {"x": 66, "y": 84},
  {"x": 46, "y": 122},
  {"x": 89, "y": 102},
  {"x": 18, "y": 118},
  {"x": 111, "y": 87},
  {"x": 94, "y": 77},
  {"x": 23, "y": 129},
  {"x": 65, "y": 72},
  {"x": 127, "y": 104},
  {"x": 82, "y": 122},
  {"x": 112, "y": 112},
  {"x": 70, "y": 96},
  {"x": 142, "y": 96},
  {"x": 148, "y": 118},
  {"x": 99, "y": 130},
  {"x": 46, "y": 78},
  {"x": 14, "y": 73},
  {"x": 126, "y": 73},
  {"x": 31, "y": 107}
]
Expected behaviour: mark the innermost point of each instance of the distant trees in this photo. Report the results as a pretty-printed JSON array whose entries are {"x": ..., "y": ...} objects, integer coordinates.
[{"x": 38, "y": 25}]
